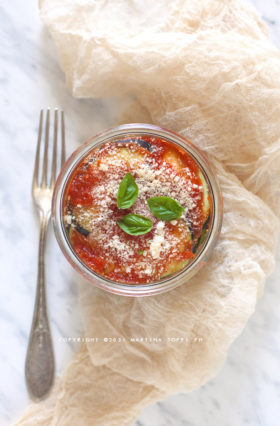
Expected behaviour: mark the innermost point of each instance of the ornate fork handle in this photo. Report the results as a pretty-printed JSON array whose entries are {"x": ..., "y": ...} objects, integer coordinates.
[{"x": 39, "y": 365}]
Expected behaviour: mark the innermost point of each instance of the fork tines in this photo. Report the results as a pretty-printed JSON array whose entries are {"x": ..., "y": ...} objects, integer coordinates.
[{"x": 42, "y": 176}]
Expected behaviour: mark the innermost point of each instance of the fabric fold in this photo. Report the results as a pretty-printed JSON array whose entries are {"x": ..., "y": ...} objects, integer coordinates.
[{"x": 206, "y": 70}]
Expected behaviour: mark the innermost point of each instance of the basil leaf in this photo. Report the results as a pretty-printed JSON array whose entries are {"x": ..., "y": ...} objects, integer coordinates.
[
  {"x": 127, "y": 193},
  {"x": 135, "y": 224},
  {"x": 165, "y": 208}
]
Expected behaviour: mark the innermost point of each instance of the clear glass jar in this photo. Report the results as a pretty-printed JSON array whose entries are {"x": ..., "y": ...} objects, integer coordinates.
[{"x": 164, "y": 284}]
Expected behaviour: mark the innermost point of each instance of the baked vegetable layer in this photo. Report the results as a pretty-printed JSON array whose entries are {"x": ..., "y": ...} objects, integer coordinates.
[{"x": 137, "y": 210}]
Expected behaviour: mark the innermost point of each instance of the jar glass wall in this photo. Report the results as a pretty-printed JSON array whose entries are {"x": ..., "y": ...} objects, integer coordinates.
[{"x": 164, "y": 284}]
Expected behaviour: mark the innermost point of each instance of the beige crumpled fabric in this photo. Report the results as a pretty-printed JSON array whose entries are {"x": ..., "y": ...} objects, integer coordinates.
[{"x": 207, "y": 70}]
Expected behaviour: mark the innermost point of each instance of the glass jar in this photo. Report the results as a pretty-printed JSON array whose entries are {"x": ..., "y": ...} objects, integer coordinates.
[{"x": 164, "y": 284}]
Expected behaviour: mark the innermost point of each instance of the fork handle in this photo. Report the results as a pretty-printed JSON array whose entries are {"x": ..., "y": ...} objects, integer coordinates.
[{"x": 39, "y": 364}]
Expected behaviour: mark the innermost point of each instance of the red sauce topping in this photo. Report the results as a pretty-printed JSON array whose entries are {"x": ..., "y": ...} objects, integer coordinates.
[{"x": 159, "y": 168}]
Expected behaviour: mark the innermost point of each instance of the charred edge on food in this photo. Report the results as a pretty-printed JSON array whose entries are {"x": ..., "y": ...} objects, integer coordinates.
[
  {"x": 144, "y": 144},
  {"x": 188, "y": 223},
  {"x": 202, "y": 235},
  {"x": 82, "y": 230},
  {"x": 74, "y": 222}
]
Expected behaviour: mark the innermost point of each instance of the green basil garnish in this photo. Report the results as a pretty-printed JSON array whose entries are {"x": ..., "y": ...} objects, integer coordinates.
[
  {"x": 127, "y": 193},
  {"x": 135, "y": 224},
  {"x": 165, "y": 208}
]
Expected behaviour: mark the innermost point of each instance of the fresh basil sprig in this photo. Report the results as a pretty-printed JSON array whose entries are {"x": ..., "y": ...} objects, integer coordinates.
[
  {"x": 135, "y": 224},
  {"x": 127, "y": 193},
  {"x": 165, "y": 208}
]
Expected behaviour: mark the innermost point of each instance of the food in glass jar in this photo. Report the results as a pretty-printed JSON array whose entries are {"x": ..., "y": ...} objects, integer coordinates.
[{"x": 137, "y": 209}]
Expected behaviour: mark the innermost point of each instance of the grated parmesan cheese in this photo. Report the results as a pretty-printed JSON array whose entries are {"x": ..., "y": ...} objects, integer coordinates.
[
  {"x": 68, "y": 219},
  {"x": 156, "y": 244},
  {"x": 153, "y": 179},
  {"x": 104, "y": 167}
]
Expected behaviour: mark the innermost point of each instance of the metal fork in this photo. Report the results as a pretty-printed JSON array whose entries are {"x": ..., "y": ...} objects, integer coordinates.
[{"x": 39, "y": 364}]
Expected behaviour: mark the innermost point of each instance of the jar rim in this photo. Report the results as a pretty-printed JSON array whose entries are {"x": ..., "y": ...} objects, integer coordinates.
[{"x": 164, "y": 284}]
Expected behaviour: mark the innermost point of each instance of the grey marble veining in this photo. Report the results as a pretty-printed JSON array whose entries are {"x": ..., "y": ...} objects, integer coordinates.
[{"x": 247, "y": 389}]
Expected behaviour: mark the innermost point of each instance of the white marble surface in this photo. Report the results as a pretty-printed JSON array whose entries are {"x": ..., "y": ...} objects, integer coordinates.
[{"x": 247, "y": 389}]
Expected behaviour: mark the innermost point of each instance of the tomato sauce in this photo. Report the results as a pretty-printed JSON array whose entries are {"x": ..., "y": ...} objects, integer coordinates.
[{"x": 159, "y": 169}]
